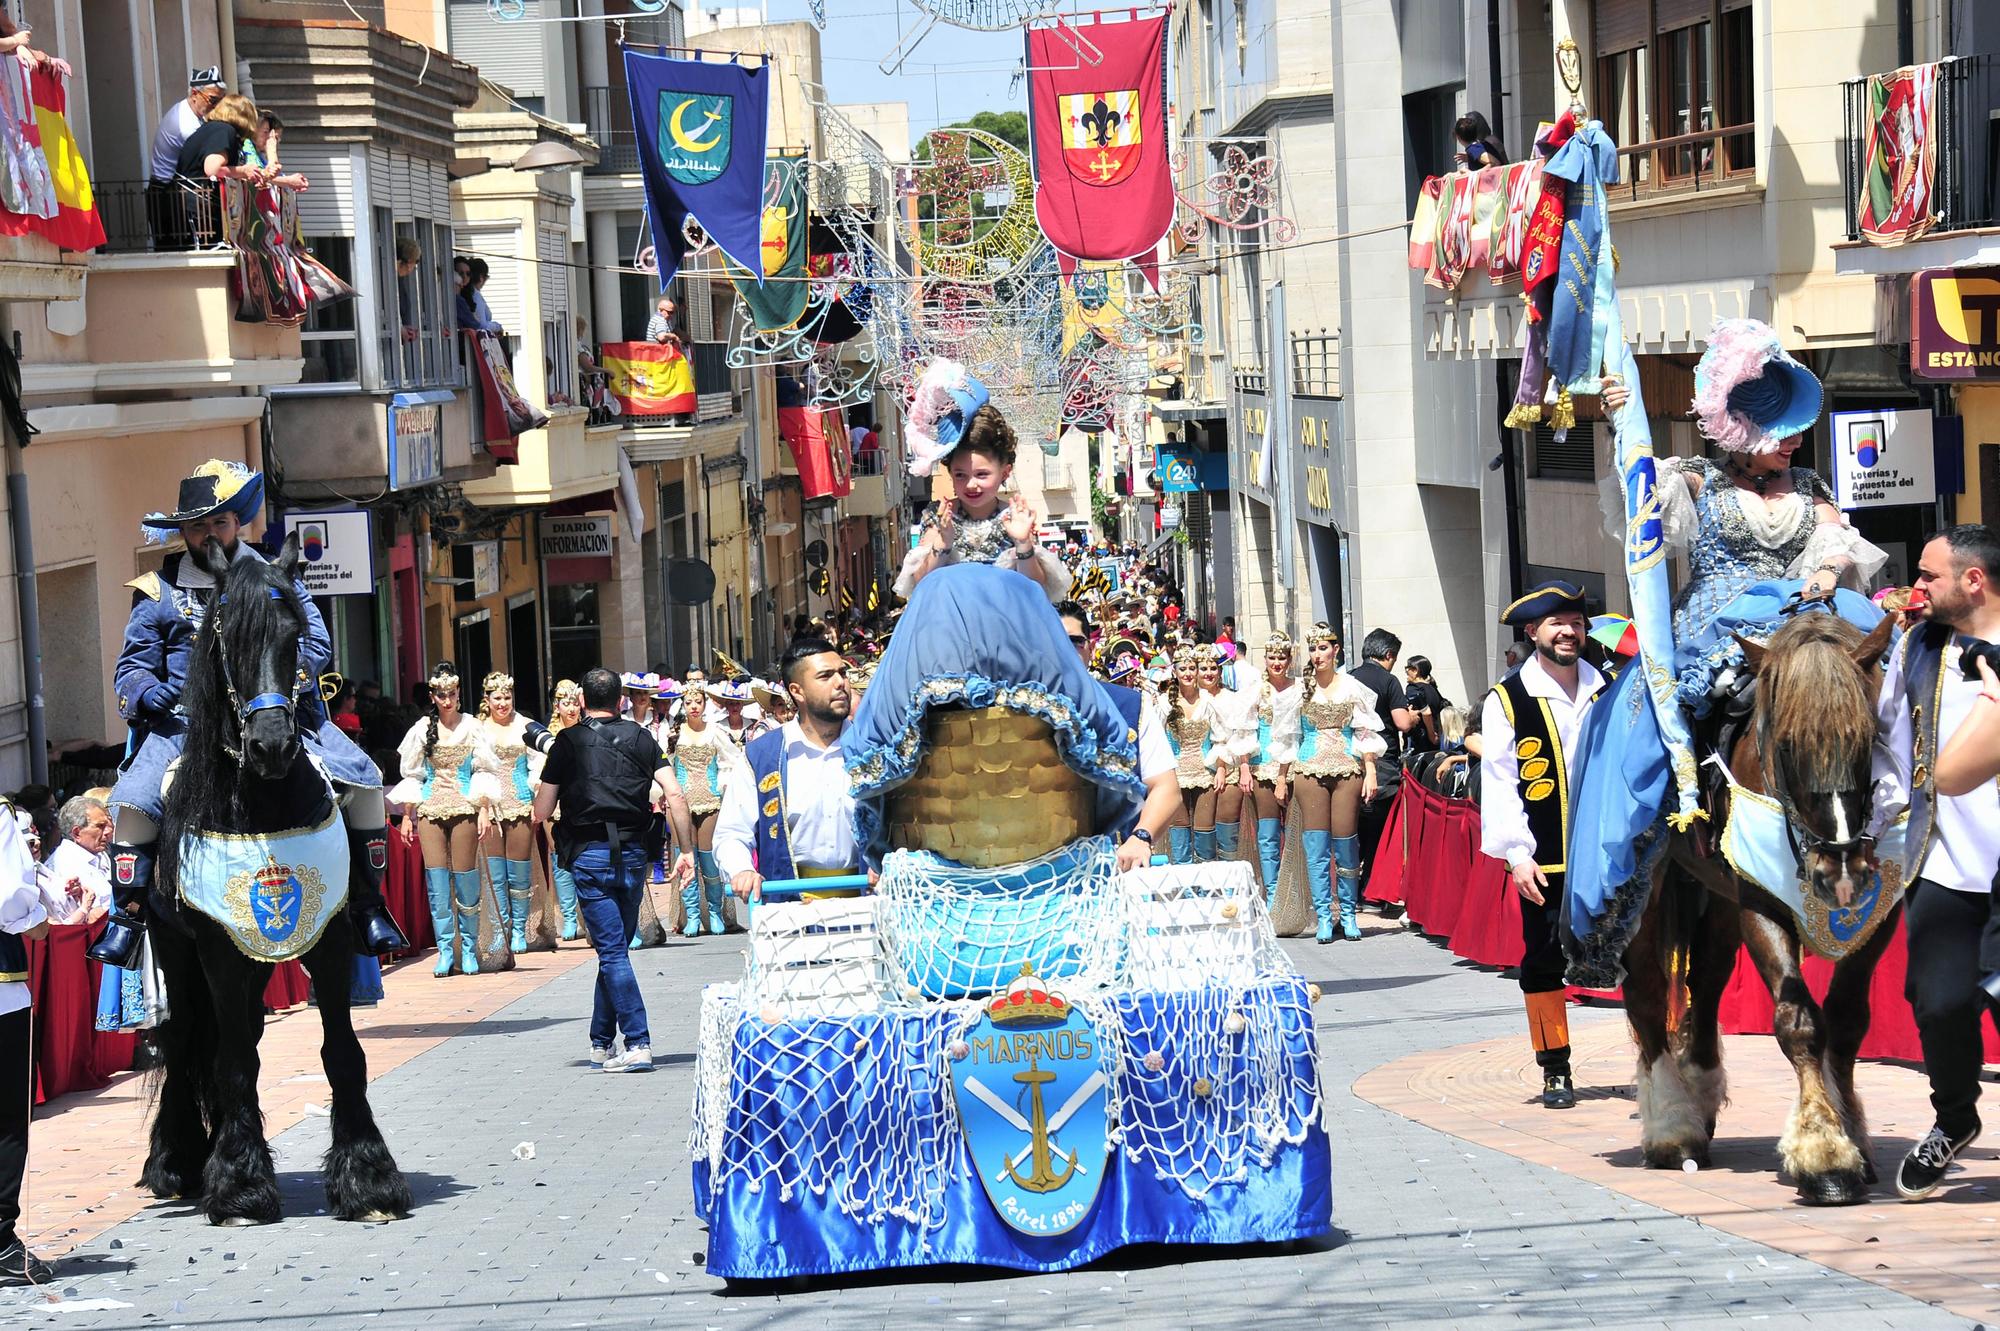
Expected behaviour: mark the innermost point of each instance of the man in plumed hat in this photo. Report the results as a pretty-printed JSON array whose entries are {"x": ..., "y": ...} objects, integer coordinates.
[
  {"x": 1532, "y": 721},
  {"x": 217, "y": 503}
]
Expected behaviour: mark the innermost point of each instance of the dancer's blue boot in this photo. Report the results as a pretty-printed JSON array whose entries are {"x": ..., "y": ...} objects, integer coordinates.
[
  {"x": 565, "y": 883},
  {"x": 1204, "y": 847},
  {"x": 709, "y": 874},
  {"x": 1270, "y": 850},
  {"x": 520, "y": 896},
  {"x": 437, "y": 887},
  {"x": 1228, "y": 836},
  {"x": 1319, "y": 873},
  {"x": 1347, "y": 868},
  {"x": 465, "y": 888},
  {"x": 1180, "y": 845}
]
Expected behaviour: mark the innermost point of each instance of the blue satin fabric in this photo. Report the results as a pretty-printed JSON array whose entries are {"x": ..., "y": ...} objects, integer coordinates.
[
  {"x": 974, "y": 635},
  {"x": 807, "y": 1088},
  {"x": 1621, "y": 781}
]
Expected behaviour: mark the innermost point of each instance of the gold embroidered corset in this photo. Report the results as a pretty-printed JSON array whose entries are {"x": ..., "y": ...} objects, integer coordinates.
[
  {"x": 447, "y": 778},
  {"x": 694, "y": 760},
  {"x": 1323, "y": 723},
  {"x": 1189, "y": 732}
]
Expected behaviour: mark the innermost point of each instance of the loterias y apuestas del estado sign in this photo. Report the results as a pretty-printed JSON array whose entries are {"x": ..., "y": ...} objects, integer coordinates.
[{"x": 1955, "y": 323}]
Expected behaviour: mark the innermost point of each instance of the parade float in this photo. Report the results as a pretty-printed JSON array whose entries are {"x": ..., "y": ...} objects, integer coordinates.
[{"x": 1008, "y": 1053}]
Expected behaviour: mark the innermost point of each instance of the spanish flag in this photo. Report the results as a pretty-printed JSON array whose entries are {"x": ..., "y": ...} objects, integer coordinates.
[
  {"x": 76, "y": 225},
  {"x": 649, "y": 378}
]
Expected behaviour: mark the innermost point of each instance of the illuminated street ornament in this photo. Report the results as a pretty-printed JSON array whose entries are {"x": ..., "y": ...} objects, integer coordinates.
[
  {"x": 978, "y": 192},
  {"x": 1031, "y": 1095},
  {"x": 1241, "y": 195},
  {"x": 984, "y": 15}
]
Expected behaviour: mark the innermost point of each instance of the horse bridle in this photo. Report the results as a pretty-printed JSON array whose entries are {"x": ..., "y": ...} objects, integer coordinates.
[
  {"x": 261, "y": 702},
  {"x": 1804, "y": 839}
]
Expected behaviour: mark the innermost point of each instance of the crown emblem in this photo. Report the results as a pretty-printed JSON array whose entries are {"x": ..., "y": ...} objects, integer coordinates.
[
  {"x": 1025, "y": 1001},
  {"x": 274, "y": 877}
]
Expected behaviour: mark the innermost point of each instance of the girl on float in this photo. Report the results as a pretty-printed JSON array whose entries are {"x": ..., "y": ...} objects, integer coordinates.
[
  {"x": 1340, "y": 736},
  {"x": 441, "y": 756},
  {"x": 515, "y": 750},
  {"x": 566, "y": 710},
  {"x": 951, "y": 420},
  {"x": 1189, "y": 719},
  {"x": 706, "y": 762},
  {"x": 1270, "y": 745}
]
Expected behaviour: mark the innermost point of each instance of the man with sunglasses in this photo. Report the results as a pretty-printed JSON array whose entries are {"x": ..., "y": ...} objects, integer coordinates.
[{"x": 1156, "y": 757}]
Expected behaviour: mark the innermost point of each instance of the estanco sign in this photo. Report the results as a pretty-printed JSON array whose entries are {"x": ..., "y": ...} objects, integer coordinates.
[{"x": 1955, "y": 323}]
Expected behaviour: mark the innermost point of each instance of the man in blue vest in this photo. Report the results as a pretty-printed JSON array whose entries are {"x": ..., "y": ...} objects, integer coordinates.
[
  {"x": 796, "y": 817},
  {"x": 1156, "y": 758}
]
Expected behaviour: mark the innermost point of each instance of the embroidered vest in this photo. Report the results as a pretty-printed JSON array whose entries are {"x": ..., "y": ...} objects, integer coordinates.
[
  {"x": 1542, "y": 774},
  {"x": 774, "y": 842}
]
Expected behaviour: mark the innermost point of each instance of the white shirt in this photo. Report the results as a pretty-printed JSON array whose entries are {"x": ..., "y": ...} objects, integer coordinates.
[
  {"x": 1155, "y": 754},
  {"x": 71, "y": 860},
  {"x": 1503, "y": 822},
  {"x": 175, "y": 126},
  {"x": 819, "y": 811},
  {"x": 1965, "y": 842},
  {"x": 21, "y": 907}
]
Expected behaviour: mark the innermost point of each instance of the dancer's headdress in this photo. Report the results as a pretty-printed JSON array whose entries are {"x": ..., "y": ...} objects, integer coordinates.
[{"x": 944, "y": 404}]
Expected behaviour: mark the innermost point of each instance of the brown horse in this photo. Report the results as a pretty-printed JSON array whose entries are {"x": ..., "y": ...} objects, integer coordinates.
[{"x": 1808, "y": 748}]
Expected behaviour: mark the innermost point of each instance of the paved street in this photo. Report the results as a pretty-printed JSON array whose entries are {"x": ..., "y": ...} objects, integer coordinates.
[{"x": 597, "y": 1229}]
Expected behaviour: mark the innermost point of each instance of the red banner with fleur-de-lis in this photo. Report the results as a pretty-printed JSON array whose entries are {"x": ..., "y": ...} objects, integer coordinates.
[{"x": 1103, "y": 190}]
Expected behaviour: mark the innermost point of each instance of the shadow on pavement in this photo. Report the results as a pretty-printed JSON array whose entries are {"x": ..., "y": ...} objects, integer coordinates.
[{"x": 445, "y": 1029}]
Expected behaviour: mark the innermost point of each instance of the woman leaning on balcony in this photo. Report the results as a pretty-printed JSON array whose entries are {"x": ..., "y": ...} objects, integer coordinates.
[{"x": 218, "y": 150}]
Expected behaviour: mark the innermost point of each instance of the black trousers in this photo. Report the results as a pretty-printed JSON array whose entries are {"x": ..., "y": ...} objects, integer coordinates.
[
  {"x": 16, "y": 1072},
  {"x": 1375, "y": 813},
  {"x": 1948, "y": 931},
  {"x": 1541, "y": 940}
]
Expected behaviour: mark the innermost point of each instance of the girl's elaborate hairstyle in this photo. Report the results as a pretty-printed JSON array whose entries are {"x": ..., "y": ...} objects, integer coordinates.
[{"x": 443, "y": 676}]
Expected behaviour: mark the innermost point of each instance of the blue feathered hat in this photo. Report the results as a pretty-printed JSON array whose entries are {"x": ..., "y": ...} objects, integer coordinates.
[
  {"x": 1548, "y": 599},
  {"x": 1749, "y": 392},
  {"x": 945, "y": 401},
  {"x": 217, "y": 486}
]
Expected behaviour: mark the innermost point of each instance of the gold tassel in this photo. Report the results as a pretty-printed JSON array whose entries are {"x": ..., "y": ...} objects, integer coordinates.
[
  {"x": 1524, "y": 416},
  {"x": 1614, "y": 260},
  {"x": 1681, "y": 822},
  {"x": 1564, "y": 415}
]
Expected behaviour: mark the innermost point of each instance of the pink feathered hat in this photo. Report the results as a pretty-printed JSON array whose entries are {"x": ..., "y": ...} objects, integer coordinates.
[{"x": 1749, "y": 393}]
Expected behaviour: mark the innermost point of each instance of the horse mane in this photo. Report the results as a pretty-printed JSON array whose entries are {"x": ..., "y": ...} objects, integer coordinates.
[
  {"x": 209, "y": 789},
  {"x": 1820, "y": 705}
]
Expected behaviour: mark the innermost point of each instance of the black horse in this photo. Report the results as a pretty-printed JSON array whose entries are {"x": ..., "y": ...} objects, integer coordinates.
[{"x": 245, "y": 769}]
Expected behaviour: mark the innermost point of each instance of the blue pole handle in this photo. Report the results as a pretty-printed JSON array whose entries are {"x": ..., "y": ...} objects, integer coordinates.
[{"x": 787, "y": 889}]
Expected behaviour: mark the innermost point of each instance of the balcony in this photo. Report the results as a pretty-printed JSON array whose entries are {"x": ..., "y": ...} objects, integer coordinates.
[
  {"x": 562, "y": 460},
  {"x": 608, "y": 114},
  {"x": 717, "y": 423},
  {"x": 32, "y": 269},
  {"x": 1316, "y": 364},
  {"x": 875, "y": 492},
  {"x": 1967, "y": 148}
]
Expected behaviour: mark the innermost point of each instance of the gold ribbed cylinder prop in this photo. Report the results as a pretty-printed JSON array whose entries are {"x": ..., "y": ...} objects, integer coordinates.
[{"x": 991, "y": 790}]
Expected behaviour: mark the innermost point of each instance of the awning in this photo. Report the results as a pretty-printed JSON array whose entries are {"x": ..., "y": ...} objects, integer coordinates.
[{"x": 1180, "y": 409}]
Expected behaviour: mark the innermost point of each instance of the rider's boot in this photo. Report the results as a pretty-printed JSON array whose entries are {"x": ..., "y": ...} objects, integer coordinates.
[
  {"x": 1548, "y": 1031},
  {"x": 437, "y": 887},
  {"x": 520, "y": 896},
  {"x": 1347, "y": 872},
  {"x": 375, "y": 930},
  {"x": 125, "y": 927},
  {"x": 465, "y": 900},
  {"x": 1270, "y": 850},
  {"x": 1319, "y": 875}
]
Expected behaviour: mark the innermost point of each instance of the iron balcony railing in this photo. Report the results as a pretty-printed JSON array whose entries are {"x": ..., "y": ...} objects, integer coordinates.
[
  {"x": 608, "y": 113},
  {"x": 172, "y": 215},
  {"x": 1966, "y": 137},
  {"x": 1316, "y": 364}
]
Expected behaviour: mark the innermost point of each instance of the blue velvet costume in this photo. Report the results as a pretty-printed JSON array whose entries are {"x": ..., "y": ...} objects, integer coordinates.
[
  {"x": 1738, "y": 584},
  {"x": 167, "y": 612}
]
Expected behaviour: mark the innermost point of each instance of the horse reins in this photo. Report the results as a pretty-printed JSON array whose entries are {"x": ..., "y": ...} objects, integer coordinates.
[
  {"x": 1803, "y": 838},
  {"x": 261, "y": 702}
]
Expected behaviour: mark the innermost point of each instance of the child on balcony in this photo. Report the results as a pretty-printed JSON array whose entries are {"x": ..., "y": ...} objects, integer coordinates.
[{"x": 952, "y": 421}]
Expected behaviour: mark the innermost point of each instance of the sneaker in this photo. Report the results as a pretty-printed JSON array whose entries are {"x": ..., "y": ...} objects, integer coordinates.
[
  {"x": 1928, "y": 1162},
  {"x": 638, "y": 1059},
  {"x": 1558, "y": 1091},
  {"x": 18, "y": 1267},
  {"x": 598, "y": 1057}
]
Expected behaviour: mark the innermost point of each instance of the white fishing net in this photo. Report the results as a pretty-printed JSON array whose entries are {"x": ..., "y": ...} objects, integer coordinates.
[{"x": 828, "y": 1070}]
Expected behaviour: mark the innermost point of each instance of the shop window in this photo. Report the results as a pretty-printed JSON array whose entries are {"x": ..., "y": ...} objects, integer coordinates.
[
  {"x": 573, "y": 630},
  {"x": 1679, "y": 74},
  {"x": 328, "y": 338}
]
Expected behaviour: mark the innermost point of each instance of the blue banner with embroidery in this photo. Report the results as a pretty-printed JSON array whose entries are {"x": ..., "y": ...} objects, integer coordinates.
[
  {"x": 1030, "y": 1083},
  {"x": 274, "y": 892},
  {"x": 1755, "y": 843}
]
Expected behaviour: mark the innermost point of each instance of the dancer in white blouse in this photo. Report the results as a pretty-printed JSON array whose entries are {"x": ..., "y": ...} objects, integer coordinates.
[
  {"x": 442, "y": 757},
  {"x": 516, "y": 748},
  {"x": 1340, "y": 736}
]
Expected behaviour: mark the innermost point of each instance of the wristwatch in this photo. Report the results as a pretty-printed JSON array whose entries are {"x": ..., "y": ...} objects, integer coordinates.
[
  {"x": 1141, "y": 834},
  {"x": 1023, "y": 549}
]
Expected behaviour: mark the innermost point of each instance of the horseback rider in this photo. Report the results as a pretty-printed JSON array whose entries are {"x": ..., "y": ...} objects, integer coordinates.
[
  {"x": 215, "y": 503},
  {"x": 1531, "y": 723}
]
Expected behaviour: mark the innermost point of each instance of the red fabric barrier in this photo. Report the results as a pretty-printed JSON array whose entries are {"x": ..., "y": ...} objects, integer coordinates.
[
  {"x": 1892, "y": 1030},
  {"x": 289, "y": 987},
  {"x": 1416, "y": 838},
  {"x": 403, "y": 892},
  {"x": 1386, "y": 873},
  {"x": 71, "y": 1054}
]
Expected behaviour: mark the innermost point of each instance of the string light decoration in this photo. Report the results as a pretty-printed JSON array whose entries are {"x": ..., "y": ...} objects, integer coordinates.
[
  {"x": 1242, "y": 195},
  {"x": 960, "y": 239}
]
